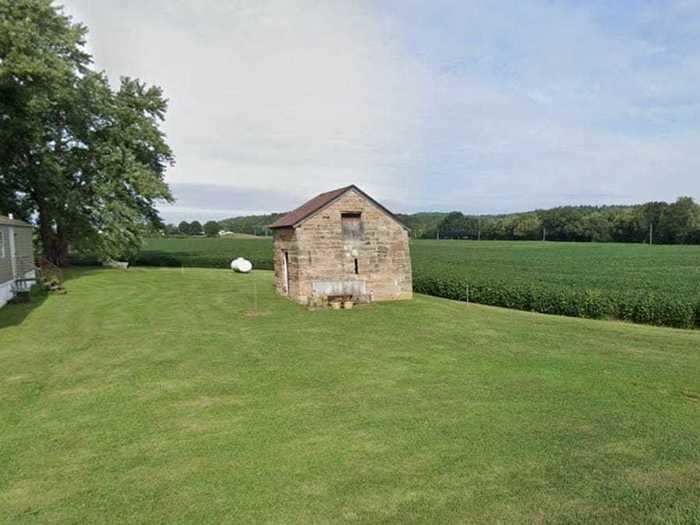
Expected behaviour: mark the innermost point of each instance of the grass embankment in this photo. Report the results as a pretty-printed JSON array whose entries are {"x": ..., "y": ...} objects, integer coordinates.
[
  {"x": 654, "y": 285},
  {"x": 167, "y": 396}
]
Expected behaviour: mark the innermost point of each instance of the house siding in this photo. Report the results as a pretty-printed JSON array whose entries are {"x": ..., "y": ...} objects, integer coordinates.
[
  {"x": 24, "y": 248},
  {"x": 5, "y": 261},
  {"x": 23, "y": 257}
]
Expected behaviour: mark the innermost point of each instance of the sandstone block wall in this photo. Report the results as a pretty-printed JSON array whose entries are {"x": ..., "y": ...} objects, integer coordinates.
[{"x": 320, "y": 255}]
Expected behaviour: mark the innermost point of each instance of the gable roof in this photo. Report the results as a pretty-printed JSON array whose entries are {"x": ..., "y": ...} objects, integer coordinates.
[
  {"x": 298, "y": 215},
  {"x": 6, "y": 221},
  {"x": 302, "y": 212}
]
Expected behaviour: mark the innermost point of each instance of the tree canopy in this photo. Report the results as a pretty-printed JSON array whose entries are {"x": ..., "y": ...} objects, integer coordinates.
[
  {"x": 212, "y": 228},
  {"x": 666, "y": 223},
  {"x": 84, "y": 160}
]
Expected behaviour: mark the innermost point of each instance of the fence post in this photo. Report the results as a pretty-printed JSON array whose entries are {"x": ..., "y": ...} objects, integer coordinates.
[{"x": 255, "y": 296}]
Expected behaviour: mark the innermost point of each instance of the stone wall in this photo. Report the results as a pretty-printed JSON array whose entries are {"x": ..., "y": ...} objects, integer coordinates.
[
  {"x": 319, "y": 253},
  {"x": 285, "y": 240}
]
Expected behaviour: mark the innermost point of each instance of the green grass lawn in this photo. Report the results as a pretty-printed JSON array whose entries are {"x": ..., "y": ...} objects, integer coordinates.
[
  {"x": 162, "y": 395},
  {"x": 657, "y": 285}
]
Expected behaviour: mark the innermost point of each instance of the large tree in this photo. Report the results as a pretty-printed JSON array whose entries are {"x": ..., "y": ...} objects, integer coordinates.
[
  {"x": 453, "y": 226},
  {"x": 679, "y": 221},
  {"x": 649, "y": 222},
  {"x": 212, "y": 228},
  {"x": 87, "y": 161}
]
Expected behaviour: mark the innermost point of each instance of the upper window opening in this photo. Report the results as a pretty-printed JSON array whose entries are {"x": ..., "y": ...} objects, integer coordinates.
[{"x": 352, "y": 225}]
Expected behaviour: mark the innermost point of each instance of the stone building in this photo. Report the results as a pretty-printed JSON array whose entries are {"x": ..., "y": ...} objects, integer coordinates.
[{"x": 342, "y": 244}]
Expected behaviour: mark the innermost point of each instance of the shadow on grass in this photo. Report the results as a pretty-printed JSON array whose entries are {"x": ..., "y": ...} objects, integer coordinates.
[{"x": 14, "y": 313}]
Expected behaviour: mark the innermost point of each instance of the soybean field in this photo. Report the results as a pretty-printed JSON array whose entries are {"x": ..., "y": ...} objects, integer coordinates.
[
  {"x": 205, "y": 252},
  {"x": 647, "y": 284}
]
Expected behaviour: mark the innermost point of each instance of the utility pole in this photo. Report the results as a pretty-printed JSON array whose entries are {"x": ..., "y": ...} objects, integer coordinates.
[
  {"x": 478, "y": 228},
  {"x": 544, "y": 233},
  {"x": 651, "y": 233}
]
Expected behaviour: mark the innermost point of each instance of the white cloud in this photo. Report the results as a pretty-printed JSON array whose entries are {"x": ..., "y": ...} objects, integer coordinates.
[{"x": 458, "y": 105}]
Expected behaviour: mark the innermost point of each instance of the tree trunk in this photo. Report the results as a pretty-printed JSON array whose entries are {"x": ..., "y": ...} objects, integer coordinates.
[
  {"x": 58, "y": 252},
  {"x": 54, "y": 242}
]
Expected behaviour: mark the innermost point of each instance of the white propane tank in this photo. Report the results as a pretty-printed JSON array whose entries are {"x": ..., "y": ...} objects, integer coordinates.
[{"x": 241, "y": 265}]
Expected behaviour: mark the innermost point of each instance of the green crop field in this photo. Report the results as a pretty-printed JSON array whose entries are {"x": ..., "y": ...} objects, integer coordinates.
[
  {"x": 603, "y": 266},
  {"x": 655, "y": 285},
  {"x": 205, "y": 252},
  {"x": 200, "y": 396}
]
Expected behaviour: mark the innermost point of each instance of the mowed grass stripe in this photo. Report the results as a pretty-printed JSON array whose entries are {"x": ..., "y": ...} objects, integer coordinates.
[{"x": 165, "y": 396}]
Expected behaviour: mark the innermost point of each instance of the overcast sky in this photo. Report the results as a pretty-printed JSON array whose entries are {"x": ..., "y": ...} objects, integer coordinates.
[{"x": 477, "y": 106}]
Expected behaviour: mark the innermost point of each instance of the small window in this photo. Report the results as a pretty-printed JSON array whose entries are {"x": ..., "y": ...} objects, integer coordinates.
[
  {"x": 357, "y": 267},
  {"x": 352, "y": 226}
]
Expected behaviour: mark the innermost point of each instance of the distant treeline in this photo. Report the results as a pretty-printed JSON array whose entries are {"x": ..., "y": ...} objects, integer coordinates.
[
  {"x": 663, "y": 223},
  {"x": 250, "y": 224}
]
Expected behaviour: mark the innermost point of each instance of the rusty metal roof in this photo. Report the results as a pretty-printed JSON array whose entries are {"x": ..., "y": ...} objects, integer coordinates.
[
  {"x": 320, "y": 201},
  {"x": 309, "y": 207},
  {"x": 6, "y": 221}
]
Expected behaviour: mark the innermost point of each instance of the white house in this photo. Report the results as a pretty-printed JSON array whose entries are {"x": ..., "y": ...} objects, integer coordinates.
[{"x": 16, "y": 258}]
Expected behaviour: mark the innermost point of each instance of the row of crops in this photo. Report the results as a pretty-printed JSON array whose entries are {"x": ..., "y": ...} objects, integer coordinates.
[
  {"x": 198, "y": 252},
  {"x": 205, "y": 252},
  {"x": 653, "y": 285},
  {"x": 657, "y": 285},
  {"x": 637, "y": 306}
]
